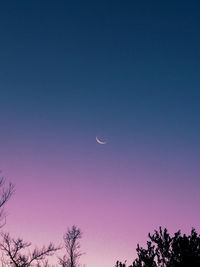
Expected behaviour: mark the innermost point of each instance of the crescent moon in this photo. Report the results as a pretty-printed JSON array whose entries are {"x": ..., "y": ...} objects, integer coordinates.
[{"x": 100, "y": 142}]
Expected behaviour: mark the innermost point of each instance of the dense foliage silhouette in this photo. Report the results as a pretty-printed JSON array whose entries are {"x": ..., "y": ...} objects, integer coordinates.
[{"x": 166, "y": 251}]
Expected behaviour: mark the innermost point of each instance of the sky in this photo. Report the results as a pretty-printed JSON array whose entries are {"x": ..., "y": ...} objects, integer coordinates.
[{"x": 125, "y": 71}]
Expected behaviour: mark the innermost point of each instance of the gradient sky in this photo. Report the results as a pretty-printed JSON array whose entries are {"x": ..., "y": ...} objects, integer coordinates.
[{"x": 127, "y": 71}]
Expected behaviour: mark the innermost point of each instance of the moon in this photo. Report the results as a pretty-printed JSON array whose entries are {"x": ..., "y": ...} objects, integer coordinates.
[{"x": 99, "y": 141}]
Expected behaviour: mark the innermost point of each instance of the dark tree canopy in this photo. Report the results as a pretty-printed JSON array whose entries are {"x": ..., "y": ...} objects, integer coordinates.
[{"x": 166, "y": 251}]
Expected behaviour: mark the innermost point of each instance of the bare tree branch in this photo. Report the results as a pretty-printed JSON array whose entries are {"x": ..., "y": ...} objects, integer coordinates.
[
  {"x": 5, "y": 195},
  {"x": 12, "y": 249},
  {"x": 72, "y": 246}
]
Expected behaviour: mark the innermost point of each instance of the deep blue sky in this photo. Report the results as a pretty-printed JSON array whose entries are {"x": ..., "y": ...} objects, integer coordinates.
[
  {"x": 116, "y": 61},
  {"x": 127, "y": 70}
]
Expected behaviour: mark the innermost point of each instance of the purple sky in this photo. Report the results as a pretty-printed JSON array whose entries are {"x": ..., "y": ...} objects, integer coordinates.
[{"x": 115, "y": 195}]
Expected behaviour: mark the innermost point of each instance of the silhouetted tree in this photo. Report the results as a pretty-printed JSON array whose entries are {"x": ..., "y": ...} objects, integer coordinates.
[
  {"x": 72, "y": 246},
  {"x": 120, "y": 264},
  {"x": 13, "y": 256},
  {"x": 5, "y": 194},
  {"x": 165, "y": 251}
]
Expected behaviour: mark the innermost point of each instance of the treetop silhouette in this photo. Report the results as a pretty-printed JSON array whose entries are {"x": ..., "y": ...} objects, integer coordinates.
[{"x": 166, "y": 251}]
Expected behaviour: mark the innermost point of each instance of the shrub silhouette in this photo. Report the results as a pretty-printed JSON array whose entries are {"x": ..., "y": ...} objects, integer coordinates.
[{"x": 166, "y": 251}]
